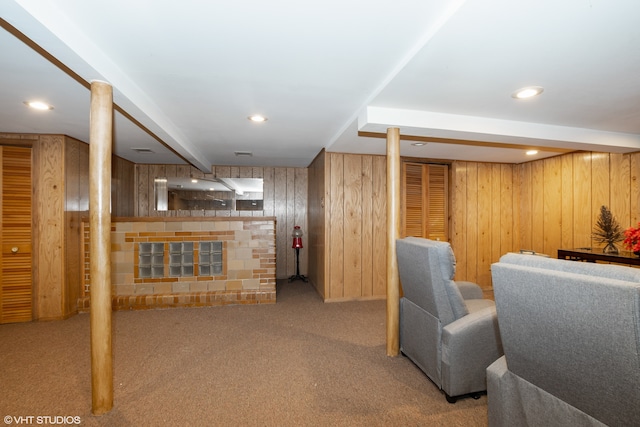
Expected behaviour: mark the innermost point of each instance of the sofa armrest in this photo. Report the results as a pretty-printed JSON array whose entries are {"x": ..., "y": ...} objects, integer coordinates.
[
  {"x": 469, "y": 290},
  {"x": 471, "y": 344}
]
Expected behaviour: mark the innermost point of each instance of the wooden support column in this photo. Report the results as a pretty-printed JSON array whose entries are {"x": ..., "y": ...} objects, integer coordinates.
[
  {"x": 393, "y": 233},
  {"x": 100, "y": 147}
]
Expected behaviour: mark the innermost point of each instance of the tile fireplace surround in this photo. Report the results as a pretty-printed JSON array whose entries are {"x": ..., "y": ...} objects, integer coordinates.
[{"x": 247, "y": 274}]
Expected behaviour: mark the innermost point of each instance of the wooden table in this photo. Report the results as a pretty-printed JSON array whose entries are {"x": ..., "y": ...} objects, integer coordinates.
[{"x": 593, "y": 255}]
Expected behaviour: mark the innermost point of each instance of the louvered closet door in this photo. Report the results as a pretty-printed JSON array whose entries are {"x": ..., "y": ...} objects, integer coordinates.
[
  {"x": 15, "y": 259},
  {"x": 425, "y": 201}
]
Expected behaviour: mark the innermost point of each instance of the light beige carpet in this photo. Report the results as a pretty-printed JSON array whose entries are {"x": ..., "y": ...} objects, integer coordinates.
[{"x": 299, "y": 362}]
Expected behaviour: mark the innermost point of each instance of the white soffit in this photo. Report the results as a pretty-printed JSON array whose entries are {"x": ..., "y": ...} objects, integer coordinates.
[{"x": 452, "y": 126}]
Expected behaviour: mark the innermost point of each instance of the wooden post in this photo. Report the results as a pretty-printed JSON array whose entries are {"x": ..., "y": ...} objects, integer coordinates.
[
  {"x": 100, "y": 146},
  {"x": 393, "y": 233}
]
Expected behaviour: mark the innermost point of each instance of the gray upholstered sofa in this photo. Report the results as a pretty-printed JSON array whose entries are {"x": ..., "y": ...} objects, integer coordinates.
[
  {"x": 446, "y": 328},
  {"x": 571, "y": 337}
]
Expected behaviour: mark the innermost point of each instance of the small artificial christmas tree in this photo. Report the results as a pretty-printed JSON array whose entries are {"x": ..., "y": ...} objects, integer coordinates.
[{"x": 607, "y": 230}]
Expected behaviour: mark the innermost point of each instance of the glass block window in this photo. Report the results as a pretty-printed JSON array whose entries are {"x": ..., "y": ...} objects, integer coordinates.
[
  {"x": 210, "y": 258},
  {"x": 150, "y": 260},
  {"x": 181, "y": 259}
]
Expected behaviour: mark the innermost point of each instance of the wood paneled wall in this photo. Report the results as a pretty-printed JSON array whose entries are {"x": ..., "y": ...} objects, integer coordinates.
[
  {"x": 352, "y": 213},
  {"x": 542, "y": 206},
  {"x": 317, "y": 224},
  {"x": 61, "y": 199},
  {"x": 483, "y": 218},
  {"x": 285, "y": 197},
  {"x": 561, "y": 198},
  {"x": 76, "y": 206}
]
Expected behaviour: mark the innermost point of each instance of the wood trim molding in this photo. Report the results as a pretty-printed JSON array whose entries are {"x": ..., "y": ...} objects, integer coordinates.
[{"x": 404, "y": 137}]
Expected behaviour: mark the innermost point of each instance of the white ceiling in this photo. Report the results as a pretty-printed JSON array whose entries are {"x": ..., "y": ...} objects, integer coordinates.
[{"x": 191, "y": 72}]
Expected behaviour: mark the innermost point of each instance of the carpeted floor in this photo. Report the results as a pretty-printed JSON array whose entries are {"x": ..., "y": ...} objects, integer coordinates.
[{"x": 299, "y": 362}]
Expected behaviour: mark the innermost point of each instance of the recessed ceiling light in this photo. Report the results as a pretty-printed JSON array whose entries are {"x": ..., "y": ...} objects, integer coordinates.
[
  {"x": 527, "y": 92},
  {"x": 193, "y": 180},
  {"x": 532, "y": 152},
  {"x": 419, "y": 144},
  {"x": 257, "y": 118},
  {"x": 38, "y": 105}
]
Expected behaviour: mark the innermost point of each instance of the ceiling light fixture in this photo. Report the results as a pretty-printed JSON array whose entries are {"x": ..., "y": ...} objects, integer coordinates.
[
  {"x": 38, "y": 105},
  {"x": 257, "y": 118},
  {"x": 527, "y": 92},
  {"x": 532, "y": 152},
  {"x": 419, "y": 144}
]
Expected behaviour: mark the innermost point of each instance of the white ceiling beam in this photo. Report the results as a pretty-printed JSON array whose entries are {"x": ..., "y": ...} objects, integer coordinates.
[{"x": 452, "y": 126}]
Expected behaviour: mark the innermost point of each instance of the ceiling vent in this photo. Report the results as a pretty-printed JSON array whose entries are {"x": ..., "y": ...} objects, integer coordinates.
[
  {"x": 243, "y": 153},
  {"x": 143, "y": 150}
]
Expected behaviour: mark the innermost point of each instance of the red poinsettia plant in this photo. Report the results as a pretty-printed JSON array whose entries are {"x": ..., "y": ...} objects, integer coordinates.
[{"x": 632, "y": 238}]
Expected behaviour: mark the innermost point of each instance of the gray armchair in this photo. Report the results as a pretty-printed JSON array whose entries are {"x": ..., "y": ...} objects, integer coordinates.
[
  {"x": 571, "y": 335},
  {"x": 446, "y": 328}
]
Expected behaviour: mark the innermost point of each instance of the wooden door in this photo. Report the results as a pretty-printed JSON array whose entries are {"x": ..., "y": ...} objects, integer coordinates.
[
  {"x": 425, "y": 210},
  {"x": 16, "y": 283}
]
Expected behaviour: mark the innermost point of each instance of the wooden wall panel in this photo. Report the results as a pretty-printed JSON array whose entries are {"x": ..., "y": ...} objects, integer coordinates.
[
  {"x": 335, "y": 223},
  {"x": 299, "y": 215},
  {"x": 537, "y": 206},
  {"x": 289, "y": 185},
  {"x": 599, "y": 187},
  {"x": 367, "y": 227},
  {"x": 634, "y": 202},
  {"x": 486, "y": 230},
  {"x": 582, "y": 206},
  {"x": 353, "y": 243},
  {"x": 484, "y": 203},
  {"x": 525, "y": 223},
  {"x": 507, "y": 212},
  {"x": 354, "y": 217},
  {"x": 496, "y": 216},
  {"x": 620, "y": 187},
  {"x": 458, "y": 230},
  {"x": 473, "y": 233},
  {"x": 269, "y": 189},
  {"x": 516, "y": 207},
  {"x": 75, "y": 172},
  {"x": 552, "y": 198},
  {"x": 555, "y": 203},
  {"x": 379, "y": 231},
  {"x": 567, "y": 202},
  {"x": 49, "y": 212},
  {"x": 60, "y": 200},
  {"x": 122, "y": 187},
  {"x": 317, "y": 228}
]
